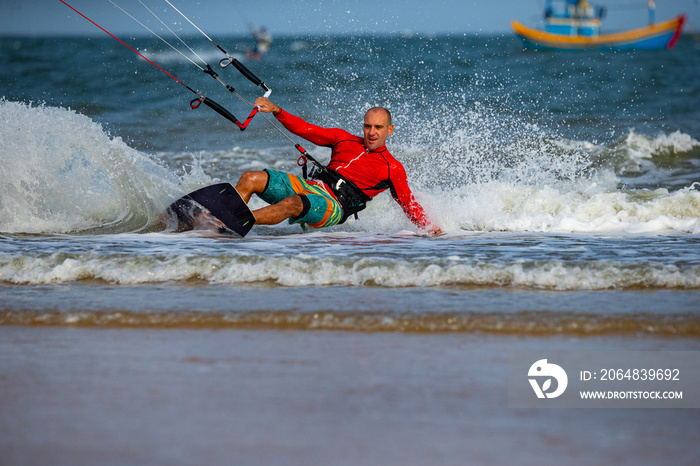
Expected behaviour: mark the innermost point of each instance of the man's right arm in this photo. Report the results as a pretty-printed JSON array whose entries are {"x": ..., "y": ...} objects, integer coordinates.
[{"x": 327, "y": 137}]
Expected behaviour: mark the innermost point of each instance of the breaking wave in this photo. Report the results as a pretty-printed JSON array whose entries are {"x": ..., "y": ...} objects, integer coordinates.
[
  {"x": 67, "y": 174},
  {"x": 305, "y": 270}
]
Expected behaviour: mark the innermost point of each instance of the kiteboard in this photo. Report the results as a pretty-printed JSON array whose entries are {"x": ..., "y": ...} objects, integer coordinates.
[{"x": 218, "y": 206}]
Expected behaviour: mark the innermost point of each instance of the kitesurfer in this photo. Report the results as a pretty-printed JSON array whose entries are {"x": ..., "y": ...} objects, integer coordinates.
[
  {"x": 263, "y": 40},
  {"x": 359, "y": 169}
]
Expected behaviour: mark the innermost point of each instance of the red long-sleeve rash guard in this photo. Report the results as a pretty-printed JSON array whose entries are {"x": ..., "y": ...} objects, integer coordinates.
[{"x": 373, "y": 171}]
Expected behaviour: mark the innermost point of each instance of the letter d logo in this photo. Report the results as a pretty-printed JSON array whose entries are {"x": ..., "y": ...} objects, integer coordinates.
[{"x": 547, "y": 371}]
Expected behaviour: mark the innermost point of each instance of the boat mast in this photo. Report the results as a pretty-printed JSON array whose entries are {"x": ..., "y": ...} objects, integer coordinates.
[{"x": 652, "y": 10}]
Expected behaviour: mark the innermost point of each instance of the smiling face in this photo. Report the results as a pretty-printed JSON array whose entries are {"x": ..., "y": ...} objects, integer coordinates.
[{"x": 377, "y": 127}]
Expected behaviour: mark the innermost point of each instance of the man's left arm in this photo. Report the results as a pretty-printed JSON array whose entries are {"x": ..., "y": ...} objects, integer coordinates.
[{"x": 401, "y": 192}]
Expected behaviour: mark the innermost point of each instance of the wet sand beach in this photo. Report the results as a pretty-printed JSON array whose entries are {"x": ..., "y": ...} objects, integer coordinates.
[{"x": 177, "y": 396}]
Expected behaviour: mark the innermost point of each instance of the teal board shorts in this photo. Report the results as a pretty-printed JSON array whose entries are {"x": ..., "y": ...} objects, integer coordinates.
[{"x": 321, "y": 209}]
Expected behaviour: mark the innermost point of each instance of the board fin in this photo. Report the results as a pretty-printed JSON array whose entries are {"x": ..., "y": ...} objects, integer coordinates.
[{"x": 220, "y": 201}]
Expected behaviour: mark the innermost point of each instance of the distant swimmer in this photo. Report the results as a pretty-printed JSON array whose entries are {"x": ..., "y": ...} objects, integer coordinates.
[
  {"x": 360, "y": 168},
  {"x": 263, "y": 40}
]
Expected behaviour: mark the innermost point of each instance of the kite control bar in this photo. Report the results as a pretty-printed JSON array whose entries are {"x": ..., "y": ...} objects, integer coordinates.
[
  {"x": 197, "y": 101},
  {"x": 223, "y": 112},
  {"x": 245, "y": 72},
  {"x": 229, "y": 60}
]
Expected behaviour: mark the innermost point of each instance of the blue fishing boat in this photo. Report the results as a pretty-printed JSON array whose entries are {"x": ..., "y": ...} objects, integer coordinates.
[{"x": 576, "y": 26}]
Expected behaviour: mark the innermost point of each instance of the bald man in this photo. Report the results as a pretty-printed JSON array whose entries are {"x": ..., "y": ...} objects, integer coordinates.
[{"x": 359, "y": 169}]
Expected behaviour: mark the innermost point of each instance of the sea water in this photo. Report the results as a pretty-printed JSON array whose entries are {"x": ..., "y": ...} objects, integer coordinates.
[
  {"x": 567, "y": 187},
  {"x": 546, "y": 172}
]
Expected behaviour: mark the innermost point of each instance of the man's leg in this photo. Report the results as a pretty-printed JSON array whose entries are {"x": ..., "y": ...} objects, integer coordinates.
[
  {"x": 291, "y": 206},
  {"x": 251, "y": 183},
  {"x": 255, "y": 182}
]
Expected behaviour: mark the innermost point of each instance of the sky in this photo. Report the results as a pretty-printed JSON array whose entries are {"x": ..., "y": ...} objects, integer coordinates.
[{"x": 304, "y": 17}]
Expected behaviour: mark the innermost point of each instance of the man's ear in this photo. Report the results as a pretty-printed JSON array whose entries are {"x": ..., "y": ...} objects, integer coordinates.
[{"x": 391, "y": 130}]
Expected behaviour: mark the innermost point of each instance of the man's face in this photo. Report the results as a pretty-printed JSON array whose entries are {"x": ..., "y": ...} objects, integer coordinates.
[{"x": 377, "y": 128}]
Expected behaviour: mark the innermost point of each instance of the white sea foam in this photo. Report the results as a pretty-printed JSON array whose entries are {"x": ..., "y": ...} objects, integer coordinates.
[
  {"x": 641, "y": 146},
  {"x": 66, "y": 174},
  {"x": 61, "y": 172},
  {"x": 306, "y": 270},
  {"x": 515, "y": 208},
  {"x": 538, "y": 183}
]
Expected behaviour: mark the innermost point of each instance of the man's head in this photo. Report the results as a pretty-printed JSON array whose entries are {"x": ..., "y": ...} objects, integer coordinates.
[{"x": 377, "y": 127}]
